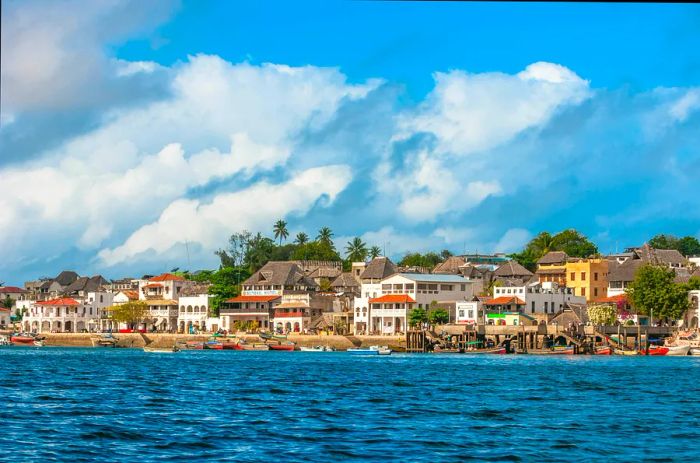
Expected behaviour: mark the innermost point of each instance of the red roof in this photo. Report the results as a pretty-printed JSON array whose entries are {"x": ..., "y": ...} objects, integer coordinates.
[
  {"x": 59, "y": 301},
  {"x": 505, "y": 300},
  {"x": 153, "y": 285},
  {"x": 620, "y": 298},
  {"x": 392, "y": 298},
  {"x": 253, "y": 298},
  {"x": 11, "y": 289},
  {"x": 167, "y": 277}
]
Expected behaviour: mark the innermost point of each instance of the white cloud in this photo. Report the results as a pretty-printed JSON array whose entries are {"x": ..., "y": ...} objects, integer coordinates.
[
  {"x": 513, "y": 240},
  {"x": 209, "y": 224},
  {"x": 686, "y": 104}
]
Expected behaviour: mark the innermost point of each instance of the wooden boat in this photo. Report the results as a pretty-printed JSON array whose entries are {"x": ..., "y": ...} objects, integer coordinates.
[
  {"x": 445, "y": 350},
  {"x": 558, "y": 350},
  {"x": 190, "y": 345},
  {"x": 286, "y": 346},
  {"x": 317, "y": 349},
  {"x": 654, "y": 350},
  {"x": 162, "y": 350},
  {"x": 371, "y": 350},
  {"x": 214, "y": 345},
  {"x": 678, "y": 350},
  {"x": 493, "y": 350},
  {"x": 254, "y": 346},
  {"x": 602, "y": 350},
  {"x": 104, "y": 341},
  {"x": 23, "y": 339},
  {"x": 625, "y": 352},
  {"x": 231, "y": 345}
]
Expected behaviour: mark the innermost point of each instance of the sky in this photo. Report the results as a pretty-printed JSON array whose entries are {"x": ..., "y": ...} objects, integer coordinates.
[{"x": 136, "y": 137}]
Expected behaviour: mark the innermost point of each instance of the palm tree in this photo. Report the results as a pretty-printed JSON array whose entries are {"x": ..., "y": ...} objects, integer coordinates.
[
  {"x": 374, "y": 252},
  {"x": 301, "y": 239},
  {"x": 542, "y": 243},
  {"x": 280, "y": 230},
  {"x": 324, "y": 235},
  {"x": 356, "y": 250}
]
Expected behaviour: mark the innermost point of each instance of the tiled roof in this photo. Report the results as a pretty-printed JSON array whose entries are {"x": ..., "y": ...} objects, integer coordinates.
[
  {"x": 160, "y": 302},
  {"x": 392, "y": 298},
  {"x": 11, "y": 289},
  {"x": 504, "y": 300},
  {"x": 277, "y": 273},
  {"x": 553, "y": 257},
  {"x": 153, "y": 285},
  {"x": 59, "y": 301},
  {"x": 253, "y": 298},
  {"x": 132, "y": 295},
  {"x": 167, "y": 277},
  {"x": 512, "y": 268}
]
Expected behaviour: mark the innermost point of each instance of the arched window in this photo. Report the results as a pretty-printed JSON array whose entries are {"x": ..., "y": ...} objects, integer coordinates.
[
  {"x": 182, "y": 308},
  {"x": 189, "y": 309}
]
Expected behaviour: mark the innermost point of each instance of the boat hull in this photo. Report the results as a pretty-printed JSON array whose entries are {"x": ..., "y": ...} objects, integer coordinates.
[
  {"x": 260, "y": 347},
  {"x": 282, "y": 347},
  {"x": 603, "y": 350},
  {"x": 678, "y": 350},
  {"x": 495, "y": 351},
  {"x": 657, "y": 351}
]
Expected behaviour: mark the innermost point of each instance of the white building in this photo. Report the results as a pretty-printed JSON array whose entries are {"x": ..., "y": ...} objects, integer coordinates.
[
  {"x": 468, "y": 313},
  {"x": 298, "y": 309},
  {"x": 5, "y": 317},
  {"x": 194, "y": 313},
  {"x": 534, "y": 298},
  {"x": 384, "y": 304},
  {"x": 161, "y": 294},
  {"x": 67, "y": 314},
  {"x": 250, "y": 310}
]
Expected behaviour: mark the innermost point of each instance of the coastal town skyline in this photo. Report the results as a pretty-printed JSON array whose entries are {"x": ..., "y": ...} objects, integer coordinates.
[{"x": 167, "y": 144}]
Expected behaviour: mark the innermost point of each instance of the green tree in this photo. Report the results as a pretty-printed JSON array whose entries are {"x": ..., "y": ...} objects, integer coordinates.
[
  {"x": 653, "y": 289},
  {"x": 301, "y": 239},
  {"x": 662, "y": 241},
  {"x": 689, "y": 246},
  {"x": 416, "y": 259},
  {"x": 8, "y": 302},
  {"x": 280, "y": 230},
  {"x": 225, "y": 284},
  {"x": 258, "y": 252},
  {"x": 316, "y": 250},
  {"x": 570, "y": 241},
  {"x": 417, "y": 317},
  {"x": 445, "y": 254},
  {"x": 438, "y": 316},
  {"x": 132, "y": 313},
  {"x": 324, "y": 284},
  {"x": 602, "y": 314},
  {"x": 356, "y": 250},
  {"x": 374, "y": 252},
  {"x": 325, "y": 235}
]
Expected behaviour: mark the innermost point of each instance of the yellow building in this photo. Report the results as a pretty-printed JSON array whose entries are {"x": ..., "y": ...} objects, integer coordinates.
[
  {"x": 552, "y": 268},
  {"x": 588, "y": 277}
]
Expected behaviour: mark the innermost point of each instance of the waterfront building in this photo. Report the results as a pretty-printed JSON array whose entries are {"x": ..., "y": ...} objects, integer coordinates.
[
  {"x": 13, "y": 292},
  {"x": 692, "y": 315},
  {"x": 194, "y": 309},
  {"x": 469, "y": 312},
  {"x": 370, "y": 276},
  {"x": 533, "y": 298},
  {"x": 121, "y": 297},
  {"x": 5, "y": 317},
  {"x": 552, "y": 268},
  {"x": 49, "y": 288},
  {"x": 274, "y": 278},
  {"x": 67, "y": 314},
  {"x": 160, "y": 294},
  {"x": 253, "y": 311},
  {"x": 587, "y": 277},
  {"x": 298, "y": 311},
  {"x": 509, "y": 319}
]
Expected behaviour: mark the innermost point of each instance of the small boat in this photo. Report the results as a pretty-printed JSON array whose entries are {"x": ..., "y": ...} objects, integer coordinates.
[
  {"x": 231, "y": 345},
  {"x": 162, "y": 350},
  {"x": 283, "y": 346},
  {"x": 214, "y": 345},
  {"x": 445, "y": 350},
  {"x": 254, "y": 346},
  {"x": 493, "y": 350},
  {"x": 23, "y": 339},
  {"x": 654, "y": 350},
  {"x": 317, "y": 349},
  {"x": 558, "y": 350},
  {"x": 190, "y": 345},
  {"x": 602, "y": 350},
  {"x": 104, "y": 341},
  {"x": 678, "y": 350},
  {"x": 625, "y": 352},
  {"x": 38, "y": 343},
  {"x": 371, "y": 350},
  {"x": 695, "y": 351},
  {"x": 4, "y": 341}
]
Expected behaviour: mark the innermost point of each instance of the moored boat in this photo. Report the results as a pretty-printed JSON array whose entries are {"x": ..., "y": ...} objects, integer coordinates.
[
  {"x": 557, "y": 350},
  {"x": 695, "y": 351},
  {"x": 106, "y": 340},
  {"x": 493, "y": 350},
  {"x": 162, "y": 350},
  {"x": 231, "y": 345},
  {"x": 371, "y": 350},
  {"x": 190, "y": 345},
  {"x": 25, "y": 339},
  {"x": 283, "y": 346},
  {"x": 625, "y": 352},
  {"x": 214, "y": 345},
  {"x": 4, "y": 341},
  {"x": 654, "y": 350},
  {"x": 317, "y": 349},
  {"x": 602, "y": 350},
  {"x": 254, "y": 346},
  {"x": 678, "y": 350}
]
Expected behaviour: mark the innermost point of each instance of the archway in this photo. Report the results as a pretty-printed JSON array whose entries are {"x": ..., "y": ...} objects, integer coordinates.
[
  {"x": 694, "y": 322},
  {"x": 288, "y": 326},
  {"x": 45, "y": 326},
  {"x": 296, "y": 327},
  {"x": 68, "y": 327},
  {"x": 80, "y": 326},
  {"x": 57, "y": 327}
]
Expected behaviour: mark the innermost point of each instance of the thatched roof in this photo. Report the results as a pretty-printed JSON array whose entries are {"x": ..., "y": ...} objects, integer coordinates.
[
  {"x": 512, "y": 269},
  {"x": 379, "y": 268}
]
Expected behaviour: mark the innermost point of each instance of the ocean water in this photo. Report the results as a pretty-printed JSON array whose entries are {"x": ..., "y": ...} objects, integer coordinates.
[{"x": 75, "y": 405}]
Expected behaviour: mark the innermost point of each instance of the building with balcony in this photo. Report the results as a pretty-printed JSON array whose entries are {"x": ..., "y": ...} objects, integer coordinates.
[
  {"x": 194, "y": 313},
  {"x": 534, "y": 298},
  {"x": 552, "y": 268},
  {"x": 248, "y": 312},
  {"x": 298, "y": 311},
  {"x": 67, "y": 314}
]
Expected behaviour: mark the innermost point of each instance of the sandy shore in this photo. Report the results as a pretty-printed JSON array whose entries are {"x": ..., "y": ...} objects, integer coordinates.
[{"x": 138, "y": 340}]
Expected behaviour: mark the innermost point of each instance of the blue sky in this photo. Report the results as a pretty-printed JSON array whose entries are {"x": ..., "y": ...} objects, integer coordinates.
[{"x": 136, "y": 136}]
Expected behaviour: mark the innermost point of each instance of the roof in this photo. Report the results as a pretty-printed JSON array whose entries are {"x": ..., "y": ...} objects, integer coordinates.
[
  {"x": 86, "y": 284},
  {"x": 553, "y": 257},
  {"x": 253, "y": 298},
  {"x": 504, "y": 300},
  {"x": 450, "y": 265},
  {"x": 378, "y": 268},
  {"x": 59, "y": 301},
  {"x": 292, "y": 305},
  {"x": 280, "y": 274},
  {"x": 132, "y": 295},
  {"x": 659, "y": 256},
  {"x": 624, "y": 271},
  {"x": 439, "y": 278},
  {"x": 345, "y": 280},
  {"x": 11, "y": 289},
  {"x": 160, "y": 302},
  {"x": 620, "y": 298},
  {"x": 153, "y": 285},
  {"x": 392, "y": 298},
  {"x": 551, "y": 271},
  {"x": 66, "y": 277},
  {"x": 167, "y": 277},
  {"x": 197, "y": 289},
  {"x": 325, "y": 272},
  {"x": 512, "y": 268}
]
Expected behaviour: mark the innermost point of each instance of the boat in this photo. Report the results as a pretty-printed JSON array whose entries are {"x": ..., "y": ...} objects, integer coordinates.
[
  {"x": 654, "y": 350},
  {"x": 558, "y": 350},
  {"x": 678, "y": 350},
  {"x": 22, "y": 339},
  {"x": 371, "y": 350},
  {"x": 625, "y": 352},
  {"x": 271, "y": 336},
  {"x": 283, "y": 346},
  {"x": 493, "y": 350},
  {"x": 190, "y": 345},
  {"x": 38, "y": 343},
  {"x": 106, "y": 340},
  {"x": 4, "y": 341},
  {"x": 695, "y": 351},
  {"x": 317, "y": 349},
  {"x": 214, "y": 345},
  {"x": 162, "y": 350},
  {"x": 254, "y": 346},
  {"x": 602, "y": 350},
  {"x": 231, "y": 344},
  {"x": 445, "y": 350}
]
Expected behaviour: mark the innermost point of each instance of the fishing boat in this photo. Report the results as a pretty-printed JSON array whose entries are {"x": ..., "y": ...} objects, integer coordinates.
[
  {"x": 231, "y": 344},
  {"x": 695, "y": 351},
  {"x": 678, "y": 350},
  {"x": 23, "y": 339},
  {"x": 161, "y": 350},
  {"x": 654, "y": 350},
  {"x": 445, "y": 350},
  {"x": 214, "y": 344},
  {"x": 106, "y": 340},
  {"x": 625, "y": 352},
  {"x": 602, "y": 350},
  {"x": 371, "y": 350},
  {"x": 283, "y": 346},
  {"x": 190, "y": 345},
  {"x": 493, "y": 350},
  {"x": 317, "y": 349},
  {"x": 254, "y": 346},
  {"x": 559, "y": 350}
]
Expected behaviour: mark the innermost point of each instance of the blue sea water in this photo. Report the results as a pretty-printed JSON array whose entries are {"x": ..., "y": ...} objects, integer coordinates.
[{"x": 83, "y": 405}]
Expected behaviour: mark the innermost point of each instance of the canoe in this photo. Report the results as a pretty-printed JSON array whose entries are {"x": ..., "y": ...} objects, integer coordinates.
[
  {"x": 371, "y": 350},
  {"x": 256, "y": 346},
  {"x": 602, "y": 350},
  {"x": 231, "y": 345},
  {"x": 495, "y": 350},
  {"x": 191, "y": 345},
  {"x": 678, "y": 350},
  {"x": 567, "y": 350},
  {"x": 22, "y": 339},
  {"x": 282, "y": 347},
  {"x": 214, "y": 345},
  {"x": 161, "y": 350}
]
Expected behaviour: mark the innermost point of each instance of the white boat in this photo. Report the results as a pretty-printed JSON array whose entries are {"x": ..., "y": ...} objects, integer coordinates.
[
  {"x": 678, "y": 350},
  {"x": 317, "y": 349},
  {"x": 162, "y": 350},
  {"x": 695, "y": 351},
  {"x": 4, "y": 341},
  {"x": 371, "y": 350}
]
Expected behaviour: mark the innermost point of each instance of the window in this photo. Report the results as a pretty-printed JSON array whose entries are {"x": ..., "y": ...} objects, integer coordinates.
[
  {"x": 471, "y": 313},
  {"x": 583, "y": 291},
  {"x": 532, "y": 307},
  {"x": 595, "y": 292},
  {"x": 462, "y": 287},
  {"x": 595, "y": 276},
  {"x": 446, "y": 287},
  {"x": 583, "y": 276},
  {"x": 461, "y": 314},
  {"x": 102, "y": 298},
  {"x": 409, "y": 287},
  {"x": 386, "y": 287},
  {"x": 546, "y": 305},
  {"x": 573, "y": 276}
]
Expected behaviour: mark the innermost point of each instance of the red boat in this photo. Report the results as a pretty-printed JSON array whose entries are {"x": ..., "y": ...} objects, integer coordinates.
[
  {"x": 559, "y": 350},
  {"x": 654, "y": 350},
  {"x": 22, "y": 339},
  {"x": 232, "y": 345},
  {"x": 214, "y": 345},
  {"x": 603, "y": 350},
  {"x": 285, "y": 347},
  {"x": 493, "y": 350}
]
